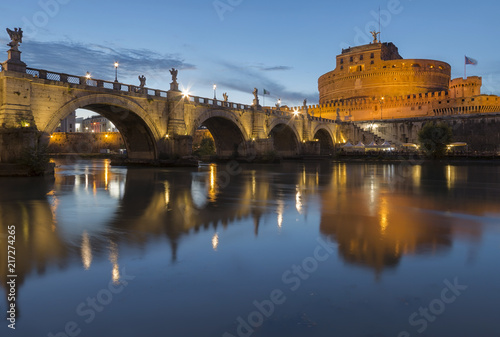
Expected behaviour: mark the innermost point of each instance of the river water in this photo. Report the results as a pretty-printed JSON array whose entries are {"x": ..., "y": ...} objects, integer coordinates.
[{"x": 296, "y": 249}]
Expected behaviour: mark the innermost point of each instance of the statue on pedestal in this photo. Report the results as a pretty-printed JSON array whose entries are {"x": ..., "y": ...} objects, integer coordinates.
[
  {"x": 225, "y": 96},
  {"x": 142, "y": 79},
  {"x": 16, "y": 37},
  {"x": 174, "y": 72},
  {"x": 255, "y": 97},
  {"x": 375, "y": 35}
]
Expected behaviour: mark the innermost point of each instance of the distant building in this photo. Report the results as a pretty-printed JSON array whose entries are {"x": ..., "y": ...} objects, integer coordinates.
[
  {"x": 67, "y": 124},
  {"x": 98, "y": 123},
  {"x": 78, "y": 123}
]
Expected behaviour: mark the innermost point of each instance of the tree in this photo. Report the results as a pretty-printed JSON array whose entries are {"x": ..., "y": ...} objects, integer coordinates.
[
  {"x": 207, "y": 147},
  {"x": 434, "y": 138}
]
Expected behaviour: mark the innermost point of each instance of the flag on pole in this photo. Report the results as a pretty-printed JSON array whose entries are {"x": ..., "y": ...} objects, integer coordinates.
[
  {"x": 469, "y": 60},
  {"x": 266, "y": 92}
]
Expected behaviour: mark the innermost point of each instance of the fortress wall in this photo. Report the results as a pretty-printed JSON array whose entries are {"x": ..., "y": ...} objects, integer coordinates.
[{"x": 480, "y": 132}]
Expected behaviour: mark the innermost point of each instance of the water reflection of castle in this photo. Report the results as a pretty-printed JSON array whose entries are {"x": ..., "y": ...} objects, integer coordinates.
[{"x": 366, "y": 209}]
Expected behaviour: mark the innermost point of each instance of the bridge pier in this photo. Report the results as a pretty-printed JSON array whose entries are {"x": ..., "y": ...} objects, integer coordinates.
[{"x": 175, "y": 147}]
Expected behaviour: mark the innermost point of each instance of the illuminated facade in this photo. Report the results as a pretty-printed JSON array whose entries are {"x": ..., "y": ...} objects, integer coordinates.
[{"x": 373, "y": 82}]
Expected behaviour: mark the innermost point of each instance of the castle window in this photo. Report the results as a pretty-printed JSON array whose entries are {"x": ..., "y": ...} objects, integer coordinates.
[
  {"x": 372, "y": 55},
  {"x": 416, "y": 65},
  {"x": 351, "y": 59},
  {"x": 341, "y": 61},
  {"x": 341, "y": 67},
  {"x": 372, "y": 62},
  {"x": 360, "y": 57}
]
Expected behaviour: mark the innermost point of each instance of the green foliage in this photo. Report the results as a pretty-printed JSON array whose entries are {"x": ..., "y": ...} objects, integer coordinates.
[
  {"x": 37, "y": 160},
  {"x": 433, "y": 139},
  {"x": 206, "y": 148}
]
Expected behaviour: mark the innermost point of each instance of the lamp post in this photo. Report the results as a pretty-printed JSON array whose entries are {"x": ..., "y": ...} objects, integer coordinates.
[
  {"x": 215, "y": 92},
  {"x": 116, "y": 71},
  {"x": 381, "y": 101}
]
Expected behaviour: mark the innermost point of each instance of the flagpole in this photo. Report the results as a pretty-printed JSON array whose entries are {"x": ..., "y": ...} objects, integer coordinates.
[{"x": 465, "y": 68}]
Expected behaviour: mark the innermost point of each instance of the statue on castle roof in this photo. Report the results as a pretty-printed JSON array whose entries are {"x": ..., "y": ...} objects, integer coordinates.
[
  {"x": 375, "y": 35},
  {"x": 174, "y": 72},
  {"x": 226, "y": 97},
  {"x": 16, "y": 37}
]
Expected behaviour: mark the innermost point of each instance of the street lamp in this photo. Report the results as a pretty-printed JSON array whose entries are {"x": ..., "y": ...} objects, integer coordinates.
[
  {"x": 215, "y": 88},
  {"x": 116, "y": 71},
  {"x": 381, "y": 101}
]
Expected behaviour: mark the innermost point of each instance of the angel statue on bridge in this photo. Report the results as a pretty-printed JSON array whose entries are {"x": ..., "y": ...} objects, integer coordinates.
[
  {"x": 142, "y": 79},
  {"x": 174, "y": 72},
  {"x": 16, "y": 37}
]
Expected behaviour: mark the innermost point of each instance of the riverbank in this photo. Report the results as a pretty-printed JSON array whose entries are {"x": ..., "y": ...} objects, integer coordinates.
[{"x": 20, "y": 170}]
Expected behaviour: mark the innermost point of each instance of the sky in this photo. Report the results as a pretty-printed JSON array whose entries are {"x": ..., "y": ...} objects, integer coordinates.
[{"x": 281, "y": 46}]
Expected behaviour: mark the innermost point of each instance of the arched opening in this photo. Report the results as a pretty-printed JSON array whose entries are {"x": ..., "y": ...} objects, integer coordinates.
[
  {"x": 136, "y": 133},
  {"x": 228, "y": 139},
  {"x": 325, "y": 142},
  {"x": 285, "y": 141}
]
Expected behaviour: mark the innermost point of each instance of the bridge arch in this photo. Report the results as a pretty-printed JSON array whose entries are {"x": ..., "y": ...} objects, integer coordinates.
[
  {"x": 286, "y": 139},
  {"x": 326, "y": 139},
  {"x": 138, "y": 131},
  {"x": 229, "y": 134}
]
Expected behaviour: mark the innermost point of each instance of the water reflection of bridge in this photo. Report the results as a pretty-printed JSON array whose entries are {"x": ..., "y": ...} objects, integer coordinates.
[{"x": 365, "y": 208}]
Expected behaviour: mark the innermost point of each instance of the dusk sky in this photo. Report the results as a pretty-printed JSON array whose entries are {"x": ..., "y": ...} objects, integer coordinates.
[{"x": 282, "y": 46}]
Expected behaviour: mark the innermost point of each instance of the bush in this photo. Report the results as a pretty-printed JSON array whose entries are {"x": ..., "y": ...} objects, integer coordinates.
[
  {"x": 434, "y": 138},
  {"x": 206, "y": 148},
  {"x": 37, "y": 160}
]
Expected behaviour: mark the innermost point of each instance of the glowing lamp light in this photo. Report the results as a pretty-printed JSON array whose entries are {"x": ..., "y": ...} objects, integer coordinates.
[
  {"x": 166, "y": 136},
  {"x": 116, "y": 64},
  {"x": 295, "y": 112},
  {"x": 88, "y": 76},
  {"x": 185, "y": 94}
]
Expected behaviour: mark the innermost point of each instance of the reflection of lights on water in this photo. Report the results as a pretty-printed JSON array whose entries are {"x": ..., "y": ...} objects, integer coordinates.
[
  {"x": 86, "y": 251},
  {"x": 254, "y": 184},
  {"x": 298, "y": 200},
  {"x": 212, "y": 192},
  {"x": 383, "y": 215},
  {"x": 451, "y": 176},
  {"x": 54, "y": 203},
  {"x": 167, "y": 193},
  {"x": 215, "y": 241},
  {"x": 106, "y": 173},
  {"x": 280, "y": 210},
  {"x": 417, "y": 175},
  {"x": 113, "y": 258}
]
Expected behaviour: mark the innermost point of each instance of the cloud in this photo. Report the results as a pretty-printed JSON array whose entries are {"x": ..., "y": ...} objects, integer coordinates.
[
  {"x": 77, "y": 58},
  {"x": 275, "y": 68},
  {"x": 245, "y": 78}
]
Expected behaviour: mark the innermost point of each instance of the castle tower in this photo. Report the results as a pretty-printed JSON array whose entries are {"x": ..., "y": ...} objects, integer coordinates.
[
  {"x": 460, "y": 88},
  {"x": 376, "y": 70}
]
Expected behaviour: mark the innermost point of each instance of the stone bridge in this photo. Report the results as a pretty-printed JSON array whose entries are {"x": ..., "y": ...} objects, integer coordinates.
[{"x": 155, "y": 124}]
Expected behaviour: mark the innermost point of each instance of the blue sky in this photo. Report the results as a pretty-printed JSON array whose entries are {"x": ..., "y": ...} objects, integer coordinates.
[{"x": 282, "y": 46}]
